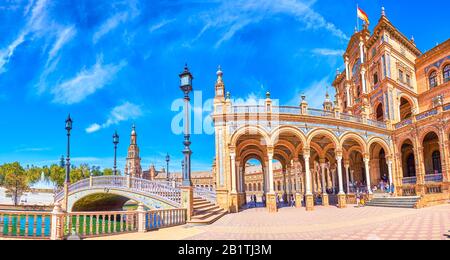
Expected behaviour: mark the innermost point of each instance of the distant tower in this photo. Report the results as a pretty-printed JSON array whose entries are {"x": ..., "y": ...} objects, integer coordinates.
[{"x": 133, "y": 164}]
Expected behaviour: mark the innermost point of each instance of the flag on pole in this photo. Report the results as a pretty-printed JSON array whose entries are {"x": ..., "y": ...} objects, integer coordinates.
[{"x": 363, "y": 16}]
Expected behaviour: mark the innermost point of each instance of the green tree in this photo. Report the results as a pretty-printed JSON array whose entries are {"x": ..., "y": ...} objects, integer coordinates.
[
  {"x": 108, "y": 172},
  {"x": 57, "y": 175},
  {"x": 33, "y": 174},
  {"x": 15, "y": 181}
]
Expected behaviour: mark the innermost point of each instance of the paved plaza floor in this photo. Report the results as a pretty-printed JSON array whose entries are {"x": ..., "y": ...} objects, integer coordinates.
[{"x": 329, "y": 223}]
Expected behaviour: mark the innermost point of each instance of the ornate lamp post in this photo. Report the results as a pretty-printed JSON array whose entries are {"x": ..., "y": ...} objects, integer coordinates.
[
  {"x": 115, "y": 142},
  {"x": 67, "y": 180},
  {"x": 186, "y": 86},
  {"x": 167, "y": 161}
]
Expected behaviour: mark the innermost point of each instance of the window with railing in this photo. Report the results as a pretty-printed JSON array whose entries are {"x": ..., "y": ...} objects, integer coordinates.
[
  {"x": 433, "y": 79},
  {"x": 446, "y": 73}
]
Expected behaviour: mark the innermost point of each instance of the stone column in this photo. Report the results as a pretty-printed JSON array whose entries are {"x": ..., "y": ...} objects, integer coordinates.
[
  {"x": 233, "y": 172},
  {"x": 342, "y": 203},
  {"x": 187, "y": 200},
  {"x": 363, "y": 80},
  {"x": 347, "y": 70},
  {"x": 271, "y": 195},
  {"x": 361, "y": 51},
  {"x": 234, "y": 203},
  {"x": 325, "y": 200},
  {"x": 141, "y": 218},
  {"x": 308, "y": 193},
  {"x": 57, "y": 226},
  {"x": 347, "y": 175},
  {"x": 389, "y": 163},
  {"x": 367, "y": 168}
]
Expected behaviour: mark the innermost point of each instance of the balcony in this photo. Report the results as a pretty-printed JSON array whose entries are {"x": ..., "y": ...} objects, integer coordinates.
[
  {"x": 432, "y": 178},
  {"x": 409, "y": 180},
  {"x": 422, "y": 116},
  {"x": 263, "y": 111}
]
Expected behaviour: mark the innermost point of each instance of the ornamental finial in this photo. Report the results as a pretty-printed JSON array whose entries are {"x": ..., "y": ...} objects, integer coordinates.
[{"x": 383, "y": 11}]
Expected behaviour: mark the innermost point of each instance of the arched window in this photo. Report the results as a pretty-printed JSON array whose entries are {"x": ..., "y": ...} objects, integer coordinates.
[
  {"x": 375, "y": 78},
  {"x": 259, "y": 186},
  {"x": 446, "y": 73},
  {"x": 380, "y": 113},
  {"x": 433, "y": 79},
  {"x": 411, "y": 166},
  {"x": 437, "y": 162},
  {"x": 249, "y": 187}
]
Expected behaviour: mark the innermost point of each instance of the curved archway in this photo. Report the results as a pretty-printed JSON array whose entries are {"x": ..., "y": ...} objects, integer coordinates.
[
  {"x": 408, "y": 159},
  {"x": 251, "y": 131},
  {"x": 431, "y": 154},
  {"x": 379, "y": 113},
  {"x": 405, "y": 108}
]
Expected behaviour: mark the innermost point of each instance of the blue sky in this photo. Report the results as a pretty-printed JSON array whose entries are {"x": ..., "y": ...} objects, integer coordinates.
[{"x": 112, "y": 63}]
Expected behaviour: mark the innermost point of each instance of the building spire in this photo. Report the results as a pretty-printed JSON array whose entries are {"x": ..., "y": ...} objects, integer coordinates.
[
  {"x": 220, "y": 86},
  {"x": 383, "y": 11}
]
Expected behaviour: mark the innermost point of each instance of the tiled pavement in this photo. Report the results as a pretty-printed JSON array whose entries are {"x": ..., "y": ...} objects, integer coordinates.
[
  {"x": 323, "y": 223},
  {"x": 335, "y": 224}
]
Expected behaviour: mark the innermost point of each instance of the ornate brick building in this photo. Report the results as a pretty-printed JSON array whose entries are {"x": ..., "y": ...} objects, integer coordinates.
[{"x": 387, "y": 128}]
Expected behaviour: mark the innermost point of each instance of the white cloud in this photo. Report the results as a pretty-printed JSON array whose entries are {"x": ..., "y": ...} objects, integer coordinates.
[
  {"x": 64, "y": 36},
  {"x": 161, "y": 24},
  {"x": 124, "y": 112},
  {"x": 327, "y": 52},
  {"x": 109, "y": 25},
  {"x": 131, "y": 12},
  {"x": 86, "y": 83},
  {"x": 93, "y": 128},
  {"x": 233, "y": 16},
  {"x": 5, "y": 55}
]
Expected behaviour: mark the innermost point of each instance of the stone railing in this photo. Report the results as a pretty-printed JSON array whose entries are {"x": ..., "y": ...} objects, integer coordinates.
[
  {"x": 156, "y": 219},
  {"x": 207, "y": 194},
  {"x": 164, "y": 190},
  {"x": 291, "y": 110},
  {"x": 433, "y": 178},
  {"x": 25, "y": 224},
  {"x": 94, "y": 224},
  {"x": 409, "y": 180},
  {"x": 58, "y": 225},
  {"x": 421, "y": 116}
]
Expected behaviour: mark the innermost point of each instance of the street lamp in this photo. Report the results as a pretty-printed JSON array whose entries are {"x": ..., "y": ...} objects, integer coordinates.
[
  {"x": 68, "y": 129},
  {"x": 186, "y": 86},
  {"x": 167, "y": 161},
  {"x": 67, "y": 179},
  {"x": 115, "y": 142}
]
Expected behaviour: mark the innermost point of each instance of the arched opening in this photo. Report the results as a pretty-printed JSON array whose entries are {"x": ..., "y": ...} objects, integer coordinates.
[
  {"x": 255, "y": 178},
  {"x": 379, "y": 171},
  {"x": 380, "y": 113},
  {"x": 405, "y": 109},
  {"x": 408, "y": 160},
  {"x": 432, "y": 155},
  {"x": 357, "y": 174},
  {"x": 103, "y": 202}
]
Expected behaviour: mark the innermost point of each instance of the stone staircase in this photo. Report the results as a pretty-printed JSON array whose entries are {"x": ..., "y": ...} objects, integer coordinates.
[
  {"x": 394, "y": 202},
  {"x": 205, "y": 212}
]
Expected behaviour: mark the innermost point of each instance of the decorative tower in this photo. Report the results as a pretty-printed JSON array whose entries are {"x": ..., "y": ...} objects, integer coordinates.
[
  {"x": 133, "y": 163},
  {"x": 327, "y": 104}
]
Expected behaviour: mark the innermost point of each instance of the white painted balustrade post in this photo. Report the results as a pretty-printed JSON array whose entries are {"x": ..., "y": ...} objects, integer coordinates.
[
  {"x": 91, "y": 181},
  {"x": 57, "y": 224},
  {"x": 129, "y": 181},
  {"x": 141, "y": 218}
]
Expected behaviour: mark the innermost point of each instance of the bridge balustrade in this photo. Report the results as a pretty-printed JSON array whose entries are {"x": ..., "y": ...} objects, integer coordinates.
[
  {"x": 25, "y": 224},
  {"x": 58, "y": 225},
  {"x": 207, "y": 194}
]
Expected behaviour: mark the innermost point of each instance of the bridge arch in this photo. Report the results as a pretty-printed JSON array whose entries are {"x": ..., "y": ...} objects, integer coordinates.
[
  {"x": 86, "y": 200},
  {"x": 325, "y": 132}
]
